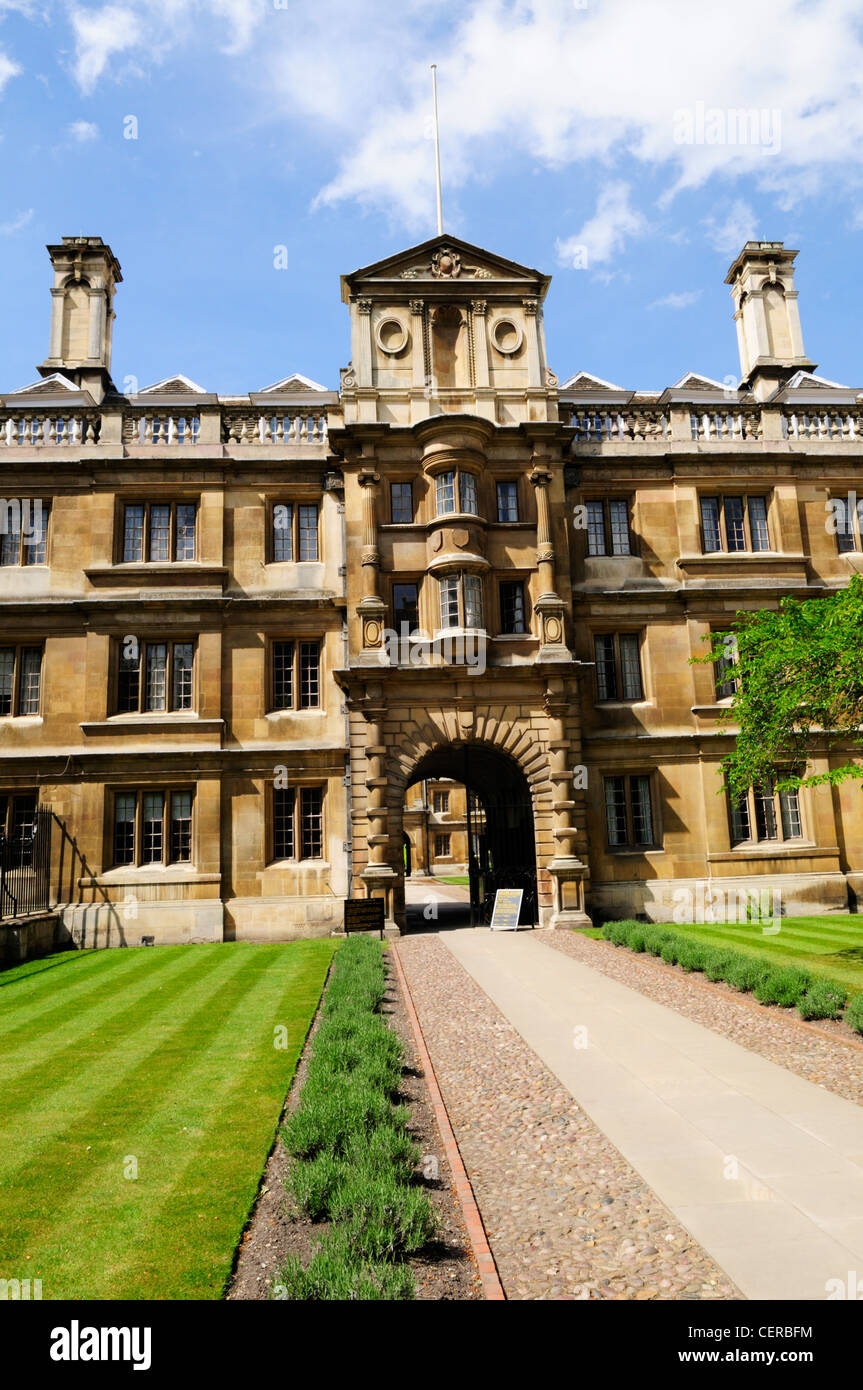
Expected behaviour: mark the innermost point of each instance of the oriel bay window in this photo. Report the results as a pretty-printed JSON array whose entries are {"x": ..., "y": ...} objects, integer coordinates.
[
  {"x": 294, "y": 532},
  {"x": 152, "y": 827},
  {"x": 618, "y": 666},
  {"x": 296, "y": 675},
  {"x": 455, "y": 491},
  {"x": 734, "y": 524},
  {"x": 461, "y": 600},
  {"x": 154, "y": 677},
  {"x": 629, "y": 812},
  {"x": 159, "y": 532},
  {"x": 608, "y": 527},
  {"x": 20, "y": 680},
  {"x": 766, "y": 814},
  {"x": 298, "y": 823}
]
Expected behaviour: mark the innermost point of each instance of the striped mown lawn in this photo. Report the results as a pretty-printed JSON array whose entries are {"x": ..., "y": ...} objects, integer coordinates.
[
  {"x": 165, "y": 1062},
  {"x": 830, "y": 946}
]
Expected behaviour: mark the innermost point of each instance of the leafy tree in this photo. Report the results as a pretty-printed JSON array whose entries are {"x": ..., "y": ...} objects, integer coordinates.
[{"x": 799, "y": 673}]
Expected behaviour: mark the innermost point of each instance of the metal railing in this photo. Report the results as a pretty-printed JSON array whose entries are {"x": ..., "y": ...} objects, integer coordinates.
[{"x": 25, "y": 868}]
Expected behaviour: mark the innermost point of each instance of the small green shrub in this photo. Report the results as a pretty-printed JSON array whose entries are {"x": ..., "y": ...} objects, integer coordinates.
[
  {"x": 744, "y": 972},
  {"x": 329, "y": 1115},
  {"x": 692, "y": 955},
  {"x": 854, "y": 1013},
  {"x": 719, "y": 964},
  {"x": 782, "y": 984},
  {"x": 823, "y": 999},
  {"x": 635, "y": 941},
  {"x": 655, "y": 938},
  {"x": 669, "y": 950},
  {"x": 336, "y": 1274},
  {"x": 314, "y": 1182},
  {"x": 381, "y": 1218}
]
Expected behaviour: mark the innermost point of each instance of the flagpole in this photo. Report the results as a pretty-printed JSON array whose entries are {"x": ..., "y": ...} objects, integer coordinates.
[{"x": 437, "y": 152}]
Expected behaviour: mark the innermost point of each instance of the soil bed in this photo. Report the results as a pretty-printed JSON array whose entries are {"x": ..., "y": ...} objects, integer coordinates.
[{"x": 445, "y": 1269}]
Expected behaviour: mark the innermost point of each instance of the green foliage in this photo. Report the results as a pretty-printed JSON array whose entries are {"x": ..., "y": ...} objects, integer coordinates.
[
  {"x": 783, "y": 985},
  {"x": 800, "y": 682},
  {"x": 354, "y": 1158},
  {"x": 336, "y": 1273},
  {"x": 854, "y": 1013},
  {"x": 692, "y": 955},
  {"x": 719, "y": 963},
  {"x": 743, "y": 972},
  {"x": 823, "y": 999}
]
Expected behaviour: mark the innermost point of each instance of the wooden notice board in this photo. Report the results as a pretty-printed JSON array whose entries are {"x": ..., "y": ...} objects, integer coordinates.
[
  {"x": 364, "y": 914},
  {"x": 507, "y": 909}
]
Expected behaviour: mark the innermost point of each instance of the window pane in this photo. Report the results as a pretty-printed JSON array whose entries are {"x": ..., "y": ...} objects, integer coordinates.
[
  {"x": 449, "y": 600},
  {"x": 445, "y": 493},
  {"x": 23, "y": 829},
  {"x": 734, "y": 530},
  {"x": 405, "y": 608},
  {"x": 845, "y": 524},
  {"x": 128, "y": 681},
  {"x": 442, "y": 846},
  {"x": 36, "y": 542},
  {"x": 160, "y": 532},
  {"x": 157, "y": 671},
  {"x": 618, "y": 516},
  {"x": 308, "y": 538},
  {"x": 31, "y": 671},
  {"x": 723, "y": 673},
  {"x": 472, "y": 600},
  {"x": 133, "y": 534},
  {"x": 124, "y": 828},
  {"x": 283, "y": 675},
  {"x": 311, "y": 822},
  {"x": 185, "y": 542},
  {"x": 789, "y": 806},
  {"x": 615, "y": 810},
  {"x": 283, "y": 524},
  {"x": 512, "y": 613},
  {"x": 181, "y": 827},
  {"x": 595, "y": 528},
  {"x": 740, "y": 829},
  {"x": 606, "y": 672},
  {"x": 402, "y": 505},
  {"x": 152, "y": 827},
  {"x": 467, "y": 492},
  {"x": 310, "y": 661},
  {"x": 283, "y": 822},
  {"x": 765, "y": 813},
  {"x": 507, "y": 502},
  {"x": 758, "y": 523},
  {"x": 184, "y": 653},
  {"x": 642, "y": 823},
  {"x": 710, "y": 538},
  {"x": 10, "y": 539},
  {"x": 630, "y": 667},
  {"x": 7, "y": 677}
]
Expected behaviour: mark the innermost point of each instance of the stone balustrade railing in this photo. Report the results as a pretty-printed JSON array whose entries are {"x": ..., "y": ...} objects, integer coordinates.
[
  {"x": 161, "y": 429},
  {"x": 596, "y": 426},
  {"x": 822, "y": 424},
  {"x": 726, "y": 424},
  {"x": 49, "y": 429},
  {"x": 296, "y": 426}
]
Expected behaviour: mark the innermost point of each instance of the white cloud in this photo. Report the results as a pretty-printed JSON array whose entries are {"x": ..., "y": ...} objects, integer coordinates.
[
  {"x": 606, "y": 232},
  {"x": 99, "y": 34},
  {"x": 738, "y": 226},
  {"x": 83, "y": 131},
  {"x": 153, "y": 28},
  {"x": 7, "y": 69},
  {"x": 10, "y": 228},
  {"x": 676, "y": 300}
]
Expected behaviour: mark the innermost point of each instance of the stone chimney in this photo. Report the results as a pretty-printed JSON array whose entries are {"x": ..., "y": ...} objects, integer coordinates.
[
  {"x": 82, "y": 315},
  {"x": 769, "y": 336}
]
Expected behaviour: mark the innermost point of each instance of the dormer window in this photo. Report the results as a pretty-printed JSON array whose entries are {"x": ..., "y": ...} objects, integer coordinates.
[{"x": 455, "y": 491}]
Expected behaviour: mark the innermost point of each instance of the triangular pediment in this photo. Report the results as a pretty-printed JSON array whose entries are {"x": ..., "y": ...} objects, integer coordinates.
[
  {"x": 295, "y": 382},
  {"x": 694, "y": 381},
  {"x": 446, "y": 260},
  {"x": 808, "y": 381},
  {"x": 47, "y": 386},
  {"x": 174, "y": 386},
  {"x": 585, "y": 381}
]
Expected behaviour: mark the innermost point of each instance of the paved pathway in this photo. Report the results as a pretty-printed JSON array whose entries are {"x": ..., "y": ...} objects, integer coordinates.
[{"x": 684, "y": 1106}]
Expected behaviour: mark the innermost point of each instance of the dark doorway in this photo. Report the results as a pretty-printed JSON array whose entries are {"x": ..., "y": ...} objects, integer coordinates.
[{"x": 500, "y": 830}]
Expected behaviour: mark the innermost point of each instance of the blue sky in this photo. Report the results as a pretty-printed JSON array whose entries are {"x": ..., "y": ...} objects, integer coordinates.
[{"x": 599, "y": 142}]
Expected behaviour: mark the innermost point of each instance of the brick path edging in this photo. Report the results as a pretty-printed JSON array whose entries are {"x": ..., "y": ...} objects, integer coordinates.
[{"x": 491, "y": 1285}]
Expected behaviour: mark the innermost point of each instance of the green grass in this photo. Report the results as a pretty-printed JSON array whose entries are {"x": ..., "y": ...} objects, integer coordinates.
[
  {"x": 461, "y": 881},
  {"x": 165, "y": 1056},
  {"x": 829, "y": 946}
]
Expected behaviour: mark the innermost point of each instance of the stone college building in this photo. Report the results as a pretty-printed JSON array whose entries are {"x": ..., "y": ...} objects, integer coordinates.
[{"x": 236, "y": 630}]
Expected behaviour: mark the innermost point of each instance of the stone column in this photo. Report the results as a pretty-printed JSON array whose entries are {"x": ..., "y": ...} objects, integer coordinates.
[
  {"x": 549, "y": 606},
  {"x": 378, "y": 876},
  {"x": 566, "y": 869},
  {"x": 479, "y": 309},
  {"x": 371, "y": 608},
  {"x": 534, "y": 371},
  {"x": 96, "y": 326},
  {"x": 363, "y": 365},
  {"x": 55, "y": 349}
]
